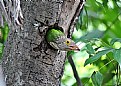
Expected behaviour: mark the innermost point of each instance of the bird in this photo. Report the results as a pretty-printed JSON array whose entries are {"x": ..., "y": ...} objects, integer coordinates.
[{"x": 58, "y": 40}]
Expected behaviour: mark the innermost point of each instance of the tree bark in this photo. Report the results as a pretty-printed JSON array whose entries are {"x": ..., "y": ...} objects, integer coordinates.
[{"x": 28, "y": 60}]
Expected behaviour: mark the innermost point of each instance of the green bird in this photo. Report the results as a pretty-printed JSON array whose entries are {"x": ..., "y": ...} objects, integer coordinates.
[{"x": 58, "y": 40}]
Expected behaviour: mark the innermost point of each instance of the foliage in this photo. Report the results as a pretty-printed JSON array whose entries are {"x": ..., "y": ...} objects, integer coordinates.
[
  {"x": 98, "y": 34},
  {"x": 97, "y": 56},
  {"x": 97, "y": 78},
  {"x": 3, "y": 37}
]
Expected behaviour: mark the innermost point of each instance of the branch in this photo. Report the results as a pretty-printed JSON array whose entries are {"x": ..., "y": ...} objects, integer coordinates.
[
  {"x": 74, "y": 71},
  {"x": 70, "y": 12}
]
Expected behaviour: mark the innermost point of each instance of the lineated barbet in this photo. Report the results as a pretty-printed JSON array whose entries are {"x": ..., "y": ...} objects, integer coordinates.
[{"x": 58, "y": 40}]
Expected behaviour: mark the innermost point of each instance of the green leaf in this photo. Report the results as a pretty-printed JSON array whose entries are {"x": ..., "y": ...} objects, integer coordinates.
[
  {"x": 108, "y": 76},
  {"x": 117, "y": 55},
  {"x": 105, "y": 2},
  {"x": 97, "y": 56},
  {"x": 5, "y": 31},
  {"x": 91, "y": 35},
  {"x": 90, "y": 49},
  {"x": 78, "y": 26},
  {"x": 115, "y": 40},
  {"x": 85, "y": 80},
  {"x": 70, "y": 53},
  {"x": 79, "y": 23},
  {"x": 1, "y": 47},
  {"x": 97, "y": 78}
]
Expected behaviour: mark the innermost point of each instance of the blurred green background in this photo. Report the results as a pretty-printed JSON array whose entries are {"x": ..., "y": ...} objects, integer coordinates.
[
  {"x": 98, "y": 34},
  {"x": 3, "y": 37}
]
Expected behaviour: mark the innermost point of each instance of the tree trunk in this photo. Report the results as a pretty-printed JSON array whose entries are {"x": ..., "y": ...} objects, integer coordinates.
[{"x": 28, "y": 60}]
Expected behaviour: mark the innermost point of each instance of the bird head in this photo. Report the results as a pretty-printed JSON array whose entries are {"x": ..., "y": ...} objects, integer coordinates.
[
  {"x": 64, "y": 44},
  {"x": 67, "y": 44},
  {"x": 58, "y": 40}
]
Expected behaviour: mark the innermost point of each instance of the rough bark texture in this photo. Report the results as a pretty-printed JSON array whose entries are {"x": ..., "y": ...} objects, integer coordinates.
[{"x": 28, "y": 60}]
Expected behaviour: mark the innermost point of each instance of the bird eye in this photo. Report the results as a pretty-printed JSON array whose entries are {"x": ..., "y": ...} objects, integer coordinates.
[{"x": 67, "y": 42}]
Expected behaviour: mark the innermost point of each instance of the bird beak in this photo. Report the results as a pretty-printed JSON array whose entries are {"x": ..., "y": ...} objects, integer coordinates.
[{"x": 75, "y": 47}]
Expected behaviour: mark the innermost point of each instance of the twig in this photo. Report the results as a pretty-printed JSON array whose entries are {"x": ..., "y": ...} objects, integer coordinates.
[{"x": 74, "y": 71}]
